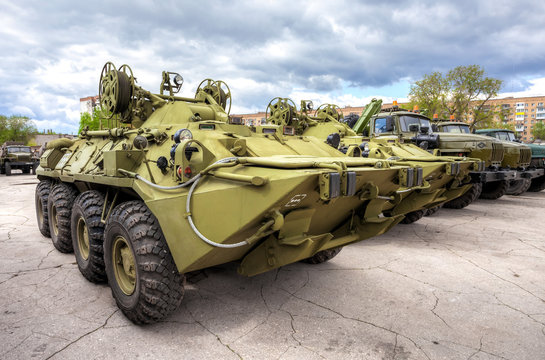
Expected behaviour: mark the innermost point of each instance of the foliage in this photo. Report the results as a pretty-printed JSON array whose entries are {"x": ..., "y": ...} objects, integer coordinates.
[
  {"x": 538, "y": 132},
  {"x": 463, "y": 92},
  {"x": 16, "y": 128},
  {"x": 92, "y": 121}
]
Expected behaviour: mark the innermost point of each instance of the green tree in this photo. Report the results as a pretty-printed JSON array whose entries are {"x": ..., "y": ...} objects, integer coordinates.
[
  {"x": 92, "y": 121},
  {"x": 463, "y": 92},
  {"x": 16, "y": 128},
  {"x": 538, "y": 132}
]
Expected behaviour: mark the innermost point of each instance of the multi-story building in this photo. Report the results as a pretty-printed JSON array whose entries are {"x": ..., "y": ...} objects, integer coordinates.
[
  {"x": 88, "y": 104},
  {"x": 523, "y": 112}
]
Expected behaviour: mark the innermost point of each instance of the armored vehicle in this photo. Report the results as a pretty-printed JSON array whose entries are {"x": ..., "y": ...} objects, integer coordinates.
[
  {"x": 532, "y": 178},
  {"x": 445, "y": 178},
  {"x": 491, "y": 183},
  {"x": 15, "y": 155},
  {"x": 174, "y": 184}
]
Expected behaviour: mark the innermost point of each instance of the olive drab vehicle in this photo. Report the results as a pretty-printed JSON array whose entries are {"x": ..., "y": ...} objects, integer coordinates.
[
  {"x": 15, "y": 155},
  {"x": 444, "y": 178},
  {"x": 174, "y": 184},
  {"x": 532, "y": 178},
  {"x": 490, "y": 183}
]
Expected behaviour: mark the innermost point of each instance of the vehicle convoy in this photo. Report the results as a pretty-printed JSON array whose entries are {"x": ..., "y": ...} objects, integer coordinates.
[
  {"x": 533, "y": 178},
  {"x": 491, "y": 183},
  {"x": 15, "y": 155},
  {"x": 445, "y": 178},
  {"x": 174, "y": 184}
]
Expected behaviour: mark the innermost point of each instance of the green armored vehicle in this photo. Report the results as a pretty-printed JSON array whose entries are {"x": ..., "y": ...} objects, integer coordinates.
[
  {"x": 15, "y": 155},
  {"x": 445, "y": 178},
  {"x": 516, "y": 157},
  {"x": 174, "y": 184},
  {"x": 532, "y": 178},
  {"x": 491, "y": 183}
]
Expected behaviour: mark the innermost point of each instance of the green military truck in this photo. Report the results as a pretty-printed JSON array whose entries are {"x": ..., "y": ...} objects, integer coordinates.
[
  {"x": 490, "y": 183},
  {"x": 15, "y": 155},
  {"x": 533, "y": 178}
]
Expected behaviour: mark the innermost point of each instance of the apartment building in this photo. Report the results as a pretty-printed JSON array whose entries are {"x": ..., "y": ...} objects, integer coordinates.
[{"x": 88, "y": 104}]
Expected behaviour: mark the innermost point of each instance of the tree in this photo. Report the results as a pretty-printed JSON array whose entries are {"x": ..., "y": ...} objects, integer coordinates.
[
  {"x": 92, "y": 121},
  {"x": 463, "y": 92},
  {"x": 538, "y": 132},
  {"x": 16, "y": 128}
]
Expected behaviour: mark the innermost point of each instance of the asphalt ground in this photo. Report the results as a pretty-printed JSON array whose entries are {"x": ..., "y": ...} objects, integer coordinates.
[{"x": 461, "y": 284}]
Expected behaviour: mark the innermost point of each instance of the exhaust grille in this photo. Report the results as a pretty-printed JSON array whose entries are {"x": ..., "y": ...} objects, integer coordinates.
[{"x": 525, "y": 156}]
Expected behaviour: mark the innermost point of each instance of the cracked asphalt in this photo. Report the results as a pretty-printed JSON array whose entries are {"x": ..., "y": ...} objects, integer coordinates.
[{"x": 461, "y": 284}]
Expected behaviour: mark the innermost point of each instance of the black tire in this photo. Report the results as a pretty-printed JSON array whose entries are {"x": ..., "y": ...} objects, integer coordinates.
[
  {"x": 494, "y": 190},
  {"x": 323, "y": 256},
  {"x": 538, "y": 184},
  {"x": 413, "y": 216},
  {"x": 8, "y": 169},
  {"x": 2, "y": 169},
  {"x": 351, "y": 120},
  {"x": 88, "y": 235},
  {"x": 26, "y": 170},
  {"x": 517, "y": 187},
  {"x": 467, "y": 198},
  {"x": 431, "y": 211},
  {"x": 152, "y": 288},
  {"x": 40, "y": 199},
  {"x": 59, "y": 209}
]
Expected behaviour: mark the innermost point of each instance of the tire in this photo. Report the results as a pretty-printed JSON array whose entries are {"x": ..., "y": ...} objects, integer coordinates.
[
  {"x": 413, "y": 216},
  {"x": 59, "y": 209},
  {"x": 466, "y": 198},
  {"x": 494, "y": 190},
  {"x": 2, "y": 169},
  {"x": 323, "y": 256},
  {"x": 145, "y": 282},
  {"x": 517, "y": 187},
  {"x": 8, "y": 169},
  {"x": 26, "y": 170},
  {"x": 433, "y": 210},
  {"x": 538, "y": 184},
  {"x": 88, "y": 235},
  {"x": 351, "y": 120},
  {"x": 40, "y": 199}
]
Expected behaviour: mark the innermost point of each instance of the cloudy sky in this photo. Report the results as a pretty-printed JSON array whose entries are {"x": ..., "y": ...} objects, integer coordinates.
[{"x": 344, "y": 52}]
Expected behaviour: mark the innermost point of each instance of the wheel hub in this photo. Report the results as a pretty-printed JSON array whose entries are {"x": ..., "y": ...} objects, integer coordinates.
[
  {"x": 124, "y": 265},
  {"x": 83, "y": 238}
]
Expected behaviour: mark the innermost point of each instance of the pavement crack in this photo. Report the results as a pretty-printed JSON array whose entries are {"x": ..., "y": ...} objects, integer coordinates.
[
  {"x": 531, "y": 245},
  {"x": 479, "y": 349},
  {"x": 363, "y": 322},
  {"x": 218, "y": 338},
  {"x": 433, "y": 310},
  {"x": 517, "y": 310},
  {"x": 83, "y": 336}
]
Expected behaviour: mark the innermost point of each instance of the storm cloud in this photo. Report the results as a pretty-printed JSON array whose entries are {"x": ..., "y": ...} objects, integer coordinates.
[{"x": 51, "y": 53}]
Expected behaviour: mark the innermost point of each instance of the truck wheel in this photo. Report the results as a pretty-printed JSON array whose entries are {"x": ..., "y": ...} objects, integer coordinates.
[
  {"x": 145, "y": 282},
  {"x": 322, "y": 256},
  {"x": 40, "y": 198},
  {"x": 26, "y": 170},
  {"x": 2, "y": 169},
  {"x": 517, "y": 187},
  {"x": 467, "y": 198},
  {"x": 433, "y": 210},
  {"x": 59, "y": 207},
  {"x": 8, "y": 169},
  {"x": 88, "y": 235},
  {"x": 538, "y": 184},
  {"x": 494, "y": 190},
  {"x": 413, "y": 216}
]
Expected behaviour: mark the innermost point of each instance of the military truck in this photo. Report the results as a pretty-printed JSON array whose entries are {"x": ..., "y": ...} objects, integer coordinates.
[
  {"x": 446, "y": 178},
  {"x": 491, "y": 183},
  {"x": 16, "y": 156},
  {"x": 175, "y": 184},
  {"x": 532, "y": 178}
]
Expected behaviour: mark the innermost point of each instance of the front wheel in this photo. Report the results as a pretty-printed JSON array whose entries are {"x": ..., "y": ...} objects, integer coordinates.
[
  {"x": 145, "y": 282},
  {"x": 323, "y": 256},
  {"x": 412, "y": 217},
  {"x": 537, "y": 184},
  {"x": 466, "y": 198},
  {"x": 517, "y": 187},
  {"x": 494, "y": 190}
]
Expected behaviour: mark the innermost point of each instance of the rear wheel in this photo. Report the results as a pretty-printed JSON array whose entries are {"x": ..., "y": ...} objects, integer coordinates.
[
  {"x": 494, "y": 190},
  {"x": 466, "y": 198},
  {"x": 40, "y": 199},
  {"x": 59, "y": 209},
  {"x": 145, "y": 282},
  {"x": 323, "y": 256},
  {"x": 2, "y": 169},
  {"x": 538, "y": 184},
  {"x": 517, "y": 187},
  {"x": 88, "y": 235},
  {"x": 26, "y": 170},
  {"x": 8, "y": 169},
  {"x": 413, "y": 216}
]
